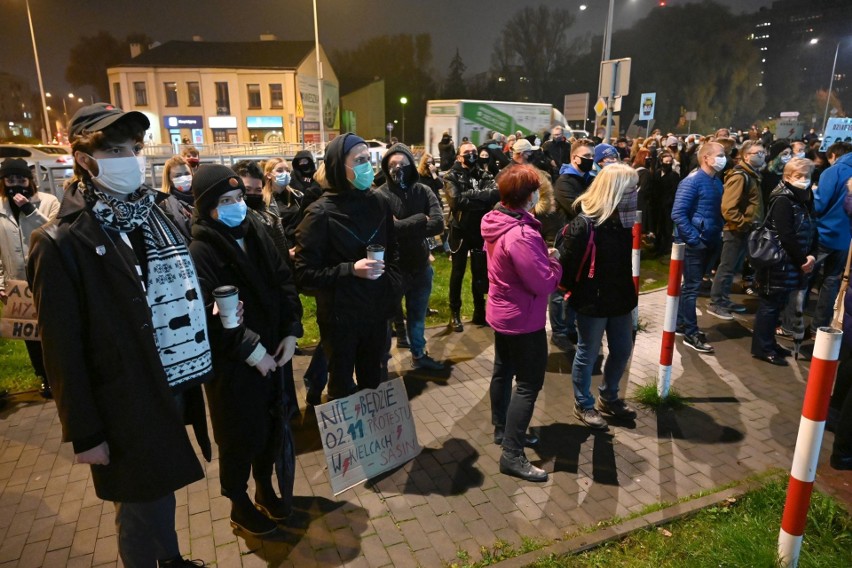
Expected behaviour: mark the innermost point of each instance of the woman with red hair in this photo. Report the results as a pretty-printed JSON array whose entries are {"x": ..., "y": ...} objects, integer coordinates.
[{"x": 522, "y": 272}]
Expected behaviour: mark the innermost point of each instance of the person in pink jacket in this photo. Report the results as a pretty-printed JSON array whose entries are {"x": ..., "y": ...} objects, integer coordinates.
[{"x": 522, "y": 272}]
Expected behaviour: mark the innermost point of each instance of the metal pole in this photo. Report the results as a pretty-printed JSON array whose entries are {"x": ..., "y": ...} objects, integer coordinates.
[
  {"x": 606, "y": 48},
  {"x": 319, "y": 79},
  {"x": 38, "y": 73},
  {"x": 830, "y": 85},
  {"x": 403, "y": 123}
]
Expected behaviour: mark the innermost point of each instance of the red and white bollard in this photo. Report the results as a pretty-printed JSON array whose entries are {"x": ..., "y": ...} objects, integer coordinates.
[
  {"x": 637, "y": 249},
  {"x": 664, "y": 375},
  {"x": 811, "y": 427}
]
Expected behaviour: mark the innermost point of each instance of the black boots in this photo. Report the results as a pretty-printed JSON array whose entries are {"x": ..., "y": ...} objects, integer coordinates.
[
  {"x": 246, "y": 517},
  {"x": 520, "y": 466},
  {"x": 44, "y": 389},
  {"x": 456, "y": 323},
  {"x": 269, "y": 503}
]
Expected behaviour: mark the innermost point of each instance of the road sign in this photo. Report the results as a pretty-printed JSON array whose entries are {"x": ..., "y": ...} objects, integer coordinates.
[
  {"x": 389, "y": 126},
  {"x": 614, "y": 78},
  {"x": 691, "y": 115},
  {"x": 600, "y": 106},
  {"x": 300, "y": 106},
  {"x": 647, "y": 104},
  {"x": 576, "y": 106}
]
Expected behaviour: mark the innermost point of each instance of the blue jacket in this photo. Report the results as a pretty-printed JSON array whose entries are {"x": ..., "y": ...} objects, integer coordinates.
[
  {"x": 697, "y": 210},
  {"x": 832, "y": 221}
]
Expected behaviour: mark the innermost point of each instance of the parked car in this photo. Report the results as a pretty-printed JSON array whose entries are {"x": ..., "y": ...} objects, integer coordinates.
[{"x": 46, "y": 156}]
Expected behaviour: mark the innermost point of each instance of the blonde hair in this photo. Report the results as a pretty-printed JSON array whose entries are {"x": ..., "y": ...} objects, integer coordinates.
[
  {"x": 268, "y": 166},
  {"x": 320, "y": 176},
  {"x": 171, "y": 164},
  {"x": 799, "y": 165},
  {"x": 421, "y": 168},
  {"x": 601, "y": 199}
]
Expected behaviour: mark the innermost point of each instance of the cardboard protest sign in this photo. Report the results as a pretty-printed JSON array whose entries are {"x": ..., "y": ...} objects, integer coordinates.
[
  {"x": 19, "y": 319},
  {"x": 367, "y": 433},
  {"x": 837, "y": 130}
]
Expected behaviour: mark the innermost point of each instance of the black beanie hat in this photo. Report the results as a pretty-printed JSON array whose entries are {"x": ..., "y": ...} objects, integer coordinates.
[
  {"x": 776, "y": 148},
  {"x": 210, "y": 182},
  {"x": 15, "y": 166}
]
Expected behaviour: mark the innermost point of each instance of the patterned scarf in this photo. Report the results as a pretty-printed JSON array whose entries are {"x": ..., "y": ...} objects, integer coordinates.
[{"x": 172, "y": 289}]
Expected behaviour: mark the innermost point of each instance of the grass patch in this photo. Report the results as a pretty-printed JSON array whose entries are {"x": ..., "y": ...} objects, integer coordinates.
[
  {"x": 653, "y": 271},
  {"x": 647, "y": 395},
  {"x": 16, "y": 373},
  {"x": 501, "y": 550}
]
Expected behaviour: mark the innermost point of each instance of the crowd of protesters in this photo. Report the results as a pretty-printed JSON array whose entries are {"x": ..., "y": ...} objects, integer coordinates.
[{"x": 125, "y": 279}]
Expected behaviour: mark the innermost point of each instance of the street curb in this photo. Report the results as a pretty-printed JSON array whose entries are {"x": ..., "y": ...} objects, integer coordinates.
[{"x": 594, "y": 539}]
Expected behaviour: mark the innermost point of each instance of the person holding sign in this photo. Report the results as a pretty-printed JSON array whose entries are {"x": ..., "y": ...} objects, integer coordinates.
[
  {"x": 251, "y": 361},
  {"x": 23, "y": 209},
  {"x": 522, "y": 272}
]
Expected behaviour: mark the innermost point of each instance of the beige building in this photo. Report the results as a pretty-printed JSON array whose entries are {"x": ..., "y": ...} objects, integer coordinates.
[{"x": 202, "y": 92}]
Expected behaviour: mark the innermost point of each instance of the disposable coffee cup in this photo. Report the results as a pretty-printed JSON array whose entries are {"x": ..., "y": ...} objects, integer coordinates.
[
  {"x": 375, "y": 252},
  {"x": 227, "y": 299}
]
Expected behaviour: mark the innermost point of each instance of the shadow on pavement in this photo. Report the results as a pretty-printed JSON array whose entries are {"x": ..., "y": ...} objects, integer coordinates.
[{"x": 448, "y": 470}]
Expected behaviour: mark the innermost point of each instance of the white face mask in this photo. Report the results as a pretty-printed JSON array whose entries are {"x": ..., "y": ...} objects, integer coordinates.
[
  {"x": 182, "y": 183},
  {"x": 719, "y": 163},
  {"x": 535, "y": 197},
  {"x": 120, "y": 176},
  {"x": 801, "y": 183}
]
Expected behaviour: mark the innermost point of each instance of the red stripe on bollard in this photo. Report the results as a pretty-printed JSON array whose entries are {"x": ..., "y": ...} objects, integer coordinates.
[
  {"x": 796, "y": 507},
  {"x": 667, "y": 348},
  {"x": 675, "y": 277},
  {"x": 818, "y": 395}
]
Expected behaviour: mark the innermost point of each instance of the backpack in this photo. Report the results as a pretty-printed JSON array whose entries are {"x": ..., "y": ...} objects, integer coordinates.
[{"x": 567, "y": 284}]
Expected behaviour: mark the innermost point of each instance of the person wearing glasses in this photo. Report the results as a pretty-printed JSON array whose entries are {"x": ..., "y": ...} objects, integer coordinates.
[
  {"x": 742, "y": 211},
  {"x": 471, "y": 192},
  {"x": 23, "y": 209}
]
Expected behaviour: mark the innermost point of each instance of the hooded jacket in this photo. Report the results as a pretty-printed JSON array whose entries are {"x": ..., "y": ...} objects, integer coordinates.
[
  {"x": 416, "y": 210},
  {"x": 568, "y": 187},
  {"x": 520, "y": 272},
  {"x": 832, "y": 222},
  {"x": 470, "y": 194},
  {"x": 333, "y": 236},
  {"x": 308, "y": 186},
  {"x": 447, "y": 152}
]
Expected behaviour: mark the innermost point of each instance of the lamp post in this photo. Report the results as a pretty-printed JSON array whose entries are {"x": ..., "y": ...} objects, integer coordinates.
[
  {"x": 319, "y": 79},
  {"x": 38, "y": 73},
  {"x": 403, "y": 101},
  {"x": 830, "y": 86}
]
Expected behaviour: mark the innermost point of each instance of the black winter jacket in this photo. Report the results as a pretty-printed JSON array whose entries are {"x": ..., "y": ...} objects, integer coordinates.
[
  {"x": 567, "y": 188},
  {"x": 470, "y": 194},
  {"x": 792, "y": 216}
]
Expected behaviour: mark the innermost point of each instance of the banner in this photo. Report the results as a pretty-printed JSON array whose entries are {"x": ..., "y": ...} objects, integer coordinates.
[
  {"x": 837, "y": 130},
  {"x": 647, "y": 105},
  {"x": 19, "y": 316},
  {"x": 367, "y": 433}
]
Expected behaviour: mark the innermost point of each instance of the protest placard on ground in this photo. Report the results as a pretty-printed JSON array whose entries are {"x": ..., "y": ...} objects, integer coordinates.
[
  {"x": 367, "y": 433},
  {"x": 19, "y": 315}
]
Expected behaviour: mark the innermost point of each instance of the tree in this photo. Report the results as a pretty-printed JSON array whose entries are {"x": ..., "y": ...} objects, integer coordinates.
[
  {"x": 454, "y": 85},
  {"x": 91, "y": 56}
]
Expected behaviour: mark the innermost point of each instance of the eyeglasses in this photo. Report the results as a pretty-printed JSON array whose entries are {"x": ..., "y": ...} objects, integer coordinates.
[{"x": 761, "y": 153}]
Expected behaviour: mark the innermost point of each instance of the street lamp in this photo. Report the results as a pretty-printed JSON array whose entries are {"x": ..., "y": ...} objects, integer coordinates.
[
  {"x": 403, "y": 101},
  {"x": 319, "y": 80},
  {"x": 38, "y": 73},
  {"x": 830, "y": 84}
]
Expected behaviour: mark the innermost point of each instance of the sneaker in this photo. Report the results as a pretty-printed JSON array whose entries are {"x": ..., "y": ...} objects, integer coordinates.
[
  {"x": 561, "y": 342},
  {"x": 426, "y": 363},
  {"x": 617, "y": 408},
  {"x": 698, "y": 342},
  {"x": 180, "y": 562},
  {"x": 679, "y": 331},
  {"x": 520, "y": 466},
  {"x": 735, "y": 307},
  {"x": 783, "y": 333},
  {"x": 719, "y": 312},
  {"x": 590, "y": 417}
]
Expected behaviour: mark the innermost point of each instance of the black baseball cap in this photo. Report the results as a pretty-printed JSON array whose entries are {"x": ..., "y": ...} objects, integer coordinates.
[{"x": 96, "y": 117}]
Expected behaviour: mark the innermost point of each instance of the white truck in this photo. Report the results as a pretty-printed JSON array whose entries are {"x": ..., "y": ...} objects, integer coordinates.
[{"x": 474, "y": 119}]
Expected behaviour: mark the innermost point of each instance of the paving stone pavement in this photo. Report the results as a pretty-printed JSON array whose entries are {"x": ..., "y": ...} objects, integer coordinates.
[{"x": 742, "y": 420}]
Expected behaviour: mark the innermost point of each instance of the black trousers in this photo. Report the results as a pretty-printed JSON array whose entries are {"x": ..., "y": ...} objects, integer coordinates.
[
  {"x": 146, "y": 532},
  {"x": 766, "y": 320},
  {"x": 36, "y": 358},
  {"x": 479, "y": 272},
  {"x": 841, "y": 400},
  {"x": 355, "y": 350},
  {"x": 523, "y": 358}
]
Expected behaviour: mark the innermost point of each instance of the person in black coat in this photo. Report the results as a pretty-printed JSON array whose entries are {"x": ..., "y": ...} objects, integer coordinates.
[
  {"x": 664, "y": 182},
  {"x": 790, "y": 213},
  {"x": 429, "y": 177},
  {"x": 302, "y": 179},
  {"x": 124, "y": 334},
  {"x": 356, "y": 296},
  {"x": 446, "y": 151}
]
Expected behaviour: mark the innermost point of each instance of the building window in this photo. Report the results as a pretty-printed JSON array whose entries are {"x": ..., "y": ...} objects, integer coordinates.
[
  {"x": 276, "y": 96},
  {"x": 194, "y": 92},
  {"x": 141, "y": 93},
  {"x": 254, "y": 96},
  {"x": 116, "y": 94},
  {"x": 223, "y": 99},
  {"x": 171, "y": 94}
]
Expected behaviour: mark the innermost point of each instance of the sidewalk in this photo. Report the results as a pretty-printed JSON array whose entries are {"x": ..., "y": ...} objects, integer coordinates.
[{"x": 743, "y": 420}]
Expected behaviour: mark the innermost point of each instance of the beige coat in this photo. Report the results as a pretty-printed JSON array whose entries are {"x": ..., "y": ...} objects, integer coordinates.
[{"x": 15, "y": 235}]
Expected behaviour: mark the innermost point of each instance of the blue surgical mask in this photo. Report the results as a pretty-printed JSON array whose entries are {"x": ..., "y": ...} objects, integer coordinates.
[
  {"x": 232, "y": 214},
  {"x": 363, "y": 176},
  {"x": 283, "y": 179}
]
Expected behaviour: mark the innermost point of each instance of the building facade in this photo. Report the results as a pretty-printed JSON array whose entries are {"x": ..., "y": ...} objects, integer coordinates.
[
  {"x": 19, "y": 109},
  {"x": 199, "y": 92}
]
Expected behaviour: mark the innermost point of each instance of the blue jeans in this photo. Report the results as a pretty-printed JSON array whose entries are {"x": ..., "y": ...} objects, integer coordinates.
[
  {"x": 831, "y": 262},
  {"x": 417, "y": 288},
  {"x": 619, "y": 336},
  {"x": 731, "y": 262},
  {"x": 694, "y": 265}
]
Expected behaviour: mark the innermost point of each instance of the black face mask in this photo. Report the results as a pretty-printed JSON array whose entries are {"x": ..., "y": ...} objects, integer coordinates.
[
  {"x": 470, "y": 160},
  {"x": 307, "y": 170},
  {"x": 254, "y": 201},
  {"x": 483, "y": 161},
  {"x": 586, "y": 164},
  {"x": 667, "y": 167},
  {"x": 12, "y": 190}
]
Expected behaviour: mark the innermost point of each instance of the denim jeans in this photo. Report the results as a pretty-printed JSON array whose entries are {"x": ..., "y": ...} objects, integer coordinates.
[
  {"x": 694, "y": 265},
  {"x": 417, "y": 288},
  {"x": 556, "y": 311},
  {"x": 763, "y": 338},
  {"x": 522, "y": 358},
  {"x": 831, "y": 262},
  {"x": 619, "y": 336},
  {"x": 731, "y": 262}
]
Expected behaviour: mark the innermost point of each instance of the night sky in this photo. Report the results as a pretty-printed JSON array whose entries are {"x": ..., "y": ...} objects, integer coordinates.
[{"x": 471, "y": 26}]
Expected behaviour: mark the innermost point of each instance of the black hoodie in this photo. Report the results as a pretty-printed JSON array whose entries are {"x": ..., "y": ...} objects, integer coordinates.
[
  {"x": 416, "y": 210},
  {"x": 310, "y": 188},
  {"x": 333, "y": 235}
]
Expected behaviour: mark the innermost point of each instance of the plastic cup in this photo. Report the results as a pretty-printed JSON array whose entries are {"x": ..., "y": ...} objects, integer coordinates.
[
  {"x": 375, "y": 252},
  {"x": 227, "y": 298}
]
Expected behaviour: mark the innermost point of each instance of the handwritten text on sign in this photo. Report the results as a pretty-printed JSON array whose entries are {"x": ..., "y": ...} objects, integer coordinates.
[
  {"x": 19, "y": 315},
  {"x": 367, "y": 433}
]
